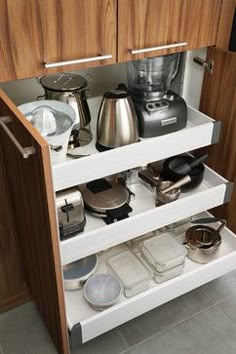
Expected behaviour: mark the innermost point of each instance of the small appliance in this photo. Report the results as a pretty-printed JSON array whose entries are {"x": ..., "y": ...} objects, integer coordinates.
[
  {"x": 117, "y": 121},
  {"x": 160, "y": 111},
  {"x": 71, "y": 89},
  {"x": 71, "y": 215}
]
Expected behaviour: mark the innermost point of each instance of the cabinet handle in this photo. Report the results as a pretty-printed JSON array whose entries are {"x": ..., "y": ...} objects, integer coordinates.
[
  {"x": 25, "y": 152},
  {"x": 160, "y": 47},
  {"x": 77, "y": 61}
]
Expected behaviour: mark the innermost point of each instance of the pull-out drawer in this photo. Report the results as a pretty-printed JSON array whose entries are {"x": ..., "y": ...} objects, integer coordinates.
[
  {"x": 213, "y": 191},
  {"x": 85, "y": 323},
  {"x": 200, "y": 131}
]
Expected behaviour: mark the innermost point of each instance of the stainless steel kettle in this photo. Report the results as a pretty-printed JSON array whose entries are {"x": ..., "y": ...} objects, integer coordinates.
[
  {"x": 117, "y": 123},
  {"x": 71, "y": 89}
]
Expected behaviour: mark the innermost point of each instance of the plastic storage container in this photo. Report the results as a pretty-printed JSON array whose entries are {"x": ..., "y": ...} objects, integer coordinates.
[
  {"x": 132, "y": 273},
  {"x": 164, "y": 252}
]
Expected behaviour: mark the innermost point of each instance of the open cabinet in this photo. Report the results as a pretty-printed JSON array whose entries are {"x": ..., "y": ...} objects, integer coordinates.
[{"x": 33, "y": 183}]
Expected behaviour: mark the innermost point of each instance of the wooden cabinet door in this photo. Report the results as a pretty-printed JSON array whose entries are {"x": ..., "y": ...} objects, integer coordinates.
[
  {"x": 21, "y": 47},
  {"x": 13, "y": 289},
  {"x": 219, "y": 101},
  {"x": 78, "y": 29},
  {"x": 152, "y": 23},
  {"x": 33, "y": 206}
]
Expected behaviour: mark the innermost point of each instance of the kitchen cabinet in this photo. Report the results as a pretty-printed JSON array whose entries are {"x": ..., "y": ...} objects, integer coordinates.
[
  {"x": 145, "y": 26},
  {"x": 35, "y": 33},
  {"x": 219, "y": 101},
  {"x": 28, "y": 172},
  {"x": 13, "y": 288},
  {"x": 21, "y": 43},
  {"x": 31, "y": 190},
  {"x": 79, "y": 30}
]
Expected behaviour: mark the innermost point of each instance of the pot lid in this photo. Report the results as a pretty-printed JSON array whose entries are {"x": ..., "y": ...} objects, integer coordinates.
[
  {"x": 63, "y": 82},
  {"x": 102, "y": 195}
]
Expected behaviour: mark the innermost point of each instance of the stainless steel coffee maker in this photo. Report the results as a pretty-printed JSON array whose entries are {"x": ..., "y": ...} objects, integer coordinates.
[
  {"x": 71, "y": 89},
  {"x": 160, "y": 111}
]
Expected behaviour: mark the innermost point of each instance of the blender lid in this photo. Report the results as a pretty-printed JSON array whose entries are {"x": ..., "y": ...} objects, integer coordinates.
[{"x": 63, "y": 82}]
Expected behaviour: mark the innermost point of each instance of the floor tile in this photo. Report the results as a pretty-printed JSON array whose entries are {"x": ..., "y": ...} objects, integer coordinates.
[
  {"x": 221, "y": 288},
  {"x": 209, "y": 332},
  {"x": 215, "y": 331},
  {"x": 109, "y": 343},
  {"x": 165, "y": 316},
  {"x": 23, "y": 332},
  {"x": 173, "y": 341},
  {"x": 229, "y": 308}
]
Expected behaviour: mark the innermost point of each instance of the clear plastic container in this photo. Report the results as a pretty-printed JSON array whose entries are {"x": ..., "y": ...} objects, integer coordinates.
[
  {"x": 132, "y": 273},
  {"x": 169, "y": 274},
  {"x": 164, "y": 252}
]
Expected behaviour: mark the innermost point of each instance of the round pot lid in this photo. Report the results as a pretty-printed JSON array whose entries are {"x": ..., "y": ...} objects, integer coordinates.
[
  {"x": 80, "y": 269},
  {"x": 63, "y": 82},
  {"x": 102, "y": 195}
]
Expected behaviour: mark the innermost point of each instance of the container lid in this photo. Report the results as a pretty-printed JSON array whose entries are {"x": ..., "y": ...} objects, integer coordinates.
[
  {"x": 80, "y": 269},
  {"x": 63, "y": 82},
  {"x": 130, "y": 270},
  {"x": 164, "y": 249}
]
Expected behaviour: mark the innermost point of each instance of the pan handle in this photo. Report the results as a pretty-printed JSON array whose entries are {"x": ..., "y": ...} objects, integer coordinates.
[{"x": 210, "y": 220}]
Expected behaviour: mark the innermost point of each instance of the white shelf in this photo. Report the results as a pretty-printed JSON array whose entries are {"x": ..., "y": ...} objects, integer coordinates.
[
  {"x": 200, "y": 131},
  {"x": 145, "y": 217},
  {"x": 85, "y": 323}
]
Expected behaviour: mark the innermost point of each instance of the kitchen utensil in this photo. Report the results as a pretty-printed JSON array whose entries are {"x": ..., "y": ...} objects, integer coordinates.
[
  {"x": 107, "y": 198},
  {"x": 159, "y": 110},
  {"x": 178, "y": 184},
  {"x": 169, "y": 173},
  {"x": 102, "y": 291},
  {"x": 76, "y": 273},
  {"x": 70, "y": 210},
  {"x": 117, "y": 121},
  {"x": 71, "y": 89},
  {"x": 164, "y": 198},
  {"x": 203, "y": 241},
  {"x": 185, "y": 167},
  {"x": 164, "y": 252},
  {"x": 54, "y": 120},
  {"x": 133, "y": 275}
]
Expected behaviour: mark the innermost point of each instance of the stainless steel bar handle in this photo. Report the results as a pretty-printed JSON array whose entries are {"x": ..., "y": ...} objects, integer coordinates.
[
  {"x": 76, "y": 61},
  {"x": 160, "y": 47},
  {"x": 25, "y": 152}
]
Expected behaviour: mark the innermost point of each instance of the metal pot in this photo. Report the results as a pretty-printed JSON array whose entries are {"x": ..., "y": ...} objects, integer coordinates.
[
  {"x": 71, "y": 89},
  {"x": 203, "y": 241}
]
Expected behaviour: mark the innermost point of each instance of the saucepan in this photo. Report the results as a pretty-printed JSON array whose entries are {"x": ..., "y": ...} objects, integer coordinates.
[{"x": 203, "y": 241}]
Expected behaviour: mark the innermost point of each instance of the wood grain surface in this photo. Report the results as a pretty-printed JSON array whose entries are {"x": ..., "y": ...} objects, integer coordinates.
[
  {"x": 13, "y": 289},
  {"x": 21, "y": 47},
  {"x": 219, "y": 101},
  {"x": 225, "y": 24},
  {"x": 149, "y": 23},
  {"x": 78, "y": 29},
  {"x": 32, "y": 198}
]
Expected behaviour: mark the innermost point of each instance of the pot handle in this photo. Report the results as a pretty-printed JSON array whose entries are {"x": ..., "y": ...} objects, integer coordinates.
[{"x": 210, "y": 220}]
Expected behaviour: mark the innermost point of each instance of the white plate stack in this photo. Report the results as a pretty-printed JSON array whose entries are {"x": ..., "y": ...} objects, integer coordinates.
[
  {"x": 131, "y": 272},
  {"x": 165, "y": 255}
]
